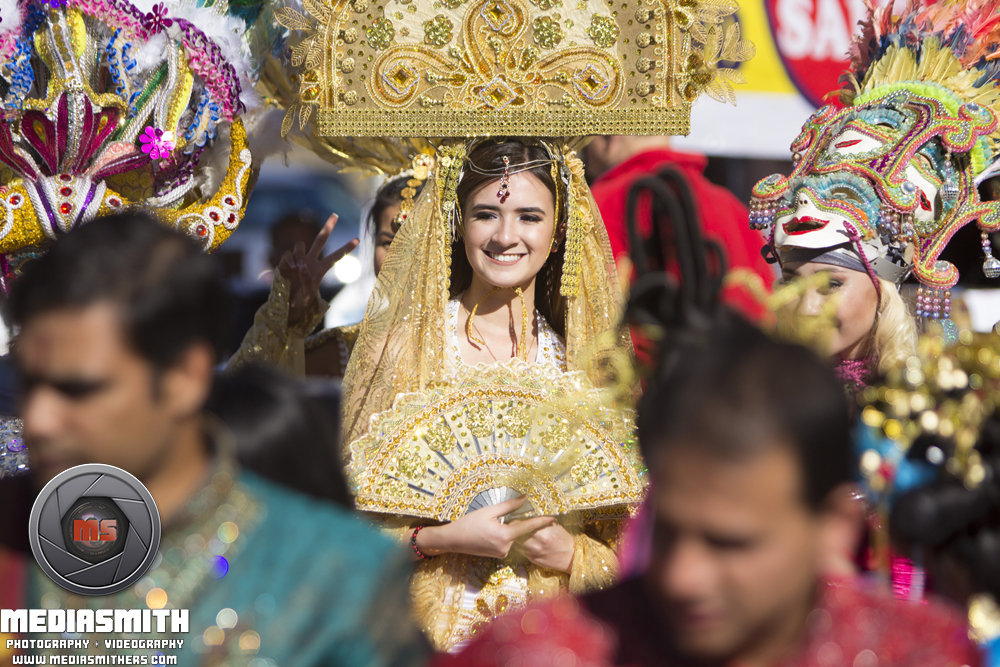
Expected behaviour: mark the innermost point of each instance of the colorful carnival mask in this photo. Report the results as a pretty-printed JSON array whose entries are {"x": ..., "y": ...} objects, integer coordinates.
[
  {"x": 882, "y": 185},
  {"x": 107, "y": 106}
]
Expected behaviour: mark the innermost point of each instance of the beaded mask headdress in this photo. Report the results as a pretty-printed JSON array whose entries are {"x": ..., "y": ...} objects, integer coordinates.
[
  {"x": 883, "y": 184},
  {"x": 109, "y": 104}
]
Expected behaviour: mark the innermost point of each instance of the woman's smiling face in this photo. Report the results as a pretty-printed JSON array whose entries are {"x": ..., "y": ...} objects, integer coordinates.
[{"x": 507, "y": 243}]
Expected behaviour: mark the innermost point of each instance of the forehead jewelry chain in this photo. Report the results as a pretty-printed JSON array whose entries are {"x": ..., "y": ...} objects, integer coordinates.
[{"x": 504, "y": 190}]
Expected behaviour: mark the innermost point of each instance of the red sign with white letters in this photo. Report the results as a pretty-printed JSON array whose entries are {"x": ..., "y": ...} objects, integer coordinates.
[{"x": 813, "y": 38}]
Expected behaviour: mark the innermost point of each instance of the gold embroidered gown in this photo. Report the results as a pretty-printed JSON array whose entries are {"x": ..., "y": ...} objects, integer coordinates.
[{"x": 415, "y": 416}]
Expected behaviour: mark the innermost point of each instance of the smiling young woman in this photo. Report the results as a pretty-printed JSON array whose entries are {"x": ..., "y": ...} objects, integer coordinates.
[
  {"x": 475, "y": 307},
  {"x": 508, "y": 263}
]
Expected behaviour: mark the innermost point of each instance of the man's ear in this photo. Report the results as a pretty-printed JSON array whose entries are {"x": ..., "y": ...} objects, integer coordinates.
[
  {"x": 185, "y": 386},
  {"x": 841, "y": 529}
]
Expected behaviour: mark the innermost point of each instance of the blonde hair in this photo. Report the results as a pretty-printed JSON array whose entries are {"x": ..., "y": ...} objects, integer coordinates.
[{"x": 894, "y": 335}]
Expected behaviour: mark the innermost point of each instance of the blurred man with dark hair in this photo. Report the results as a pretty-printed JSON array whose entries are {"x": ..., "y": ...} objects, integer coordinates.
[
  {"x": 749, "y": 451},
  {"x": 120, "y": 330}
]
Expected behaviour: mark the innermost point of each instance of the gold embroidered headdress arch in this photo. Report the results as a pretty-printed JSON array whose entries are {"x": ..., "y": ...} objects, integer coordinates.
[{"x": 437, "y": 68}]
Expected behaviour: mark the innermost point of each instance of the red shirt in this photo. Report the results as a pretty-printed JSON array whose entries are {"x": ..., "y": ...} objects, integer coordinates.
[
  {"x": 850, "y": 628},
  {"x": 724, "y": 218}
]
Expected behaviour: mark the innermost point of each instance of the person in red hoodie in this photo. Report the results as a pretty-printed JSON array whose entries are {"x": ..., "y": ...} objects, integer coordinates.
[{"x": 616, "y": 163}]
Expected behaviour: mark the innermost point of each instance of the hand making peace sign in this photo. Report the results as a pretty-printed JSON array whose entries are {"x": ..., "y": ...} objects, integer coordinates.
[{"x": 305, "y": 270}]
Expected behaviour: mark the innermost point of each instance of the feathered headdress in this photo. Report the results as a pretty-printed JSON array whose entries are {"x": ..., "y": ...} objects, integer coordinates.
[
  {"x": 891, "y": 177},
  {"x": 110, "y": 103},
  {"x": 945, "y": 45}
]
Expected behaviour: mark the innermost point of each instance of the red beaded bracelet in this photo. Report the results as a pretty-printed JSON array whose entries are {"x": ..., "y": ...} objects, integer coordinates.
[{"x": 413, "y": 543}]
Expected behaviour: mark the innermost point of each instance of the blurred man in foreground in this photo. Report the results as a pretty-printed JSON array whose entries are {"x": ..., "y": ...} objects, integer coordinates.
[
  {"x": 120, "y": 327},
  {"x": 748, "y": 446}
]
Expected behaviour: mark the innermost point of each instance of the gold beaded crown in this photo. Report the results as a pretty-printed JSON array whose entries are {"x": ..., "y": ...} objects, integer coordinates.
[{"x": 452, "y": 68}]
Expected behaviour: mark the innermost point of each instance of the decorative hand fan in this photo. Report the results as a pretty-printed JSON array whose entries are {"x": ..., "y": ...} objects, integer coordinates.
[{"x": 493, "y": 434}]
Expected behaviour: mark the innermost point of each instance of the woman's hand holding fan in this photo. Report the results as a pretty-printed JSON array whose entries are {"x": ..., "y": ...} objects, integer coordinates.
[{"x": 480, "y": 533}]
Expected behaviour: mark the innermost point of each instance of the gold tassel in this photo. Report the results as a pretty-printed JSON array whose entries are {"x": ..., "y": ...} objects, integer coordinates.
[
  {"x": 522, "y": 345},
  {"x": 575, "y": 228},
  {"x": 472, "y": 316},
  {"x": 450, "y": 167},
  {"x": 554, "y": 170}
]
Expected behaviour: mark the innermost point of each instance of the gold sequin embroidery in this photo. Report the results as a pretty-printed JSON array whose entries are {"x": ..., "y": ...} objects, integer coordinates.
[
  {"x": 438, "y": 30},
  {"x": 548, "y": 33},
  {"x": 480, "y": 420},
  {"x": 381, "y": 33},
  {"x": 603, "y": 30}
]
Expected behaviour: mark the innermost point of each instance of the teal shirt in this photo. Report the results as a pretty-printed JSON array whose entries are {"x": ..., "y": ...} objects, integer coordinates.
[{"x": 307, "y": 583}]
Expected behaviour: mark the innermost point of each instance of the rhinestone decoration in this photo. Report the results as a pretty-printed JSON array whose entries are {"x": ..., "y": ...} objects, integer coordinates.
[
  {"x": 13, "y": 455},
  {"x": 401, "y": 77},
  {"x": 592, "y": 83},
  {"x": 498, "y": 13},
  {"x": 480, "y": 420},
  {"x": 439, "y": 437},
  {"x": 587, "y": 470},
  {"x": 498, "y": 94}
]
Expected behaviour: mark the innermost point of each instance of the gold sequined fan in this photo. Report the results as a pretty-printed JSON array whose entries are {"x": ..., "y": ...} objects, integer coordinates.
[{"x": 493, "y": 434}]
